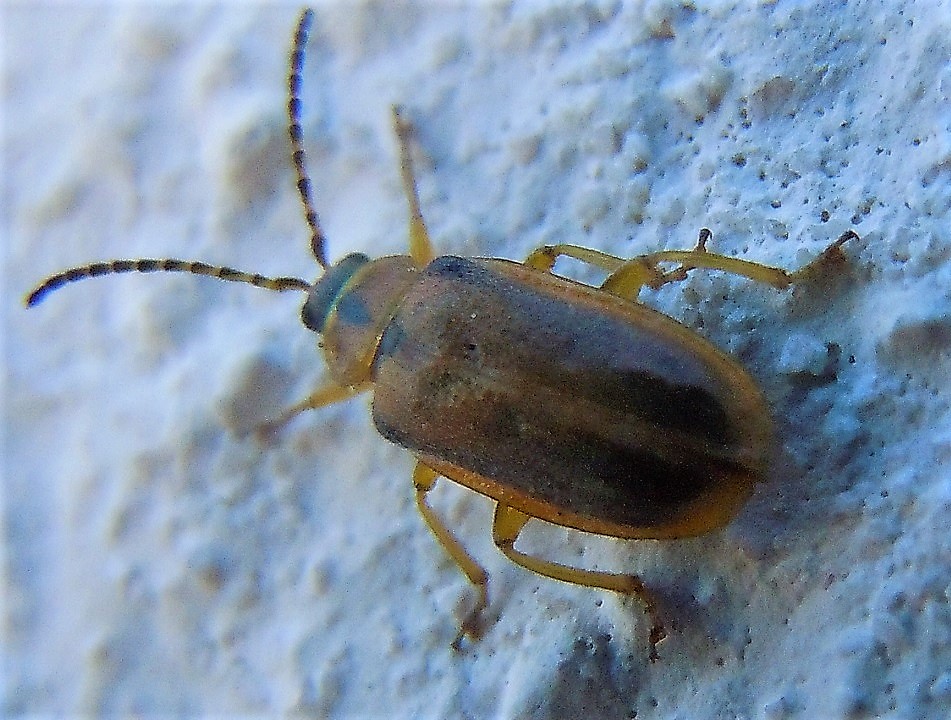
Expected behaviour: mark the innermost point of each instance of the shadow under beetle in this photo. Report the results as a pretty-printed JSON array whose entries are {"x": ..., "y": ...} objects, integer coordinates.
[{"x": 563, "y": 402}]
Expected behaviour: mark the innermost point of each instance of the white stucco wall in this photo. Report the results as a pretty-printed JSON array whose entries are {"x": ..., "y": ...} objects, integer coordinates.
[{"x": 157, "y": 561}]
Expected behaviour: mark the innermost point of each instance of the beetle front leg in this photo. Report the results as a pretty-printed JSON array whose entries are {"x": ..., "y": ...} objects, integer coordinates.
[
  {"x": 507, "y": 525},
  {"x": 424, "y": 479},
  {"x": 420, "y": 246}
]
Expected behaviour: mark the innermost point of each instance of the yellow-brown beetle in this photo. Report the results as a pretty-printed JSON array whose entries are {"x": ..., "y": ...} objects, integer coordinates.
[{"x": 561, "y": 401}]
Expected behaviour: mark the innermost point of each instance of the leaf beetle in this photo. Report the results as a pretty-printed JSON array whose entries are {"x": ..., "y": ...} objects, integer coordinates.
[{"x": 560, "y": 401}]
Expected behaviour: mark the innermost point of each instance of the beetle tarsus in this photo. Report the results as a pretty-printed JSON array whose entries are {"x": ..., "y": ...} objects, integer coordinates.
[
  {"x": 470, "y": 627},
  {"x": 657, "y": 631},
  {"x": 826, "y": 262},
  {"x": 657, "y": 635}
]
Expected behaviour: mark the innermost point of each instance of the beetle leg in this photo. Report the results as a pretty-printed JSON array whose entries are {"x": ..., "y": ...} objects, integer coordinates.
[
  {"x": 627, "y": 280},
  {"x": 420, "y": 246},
  {"x": 544, "y": 258},
  {"x": 831, "y": 256},
  {"x": 507, "y": 525},
  {"x": 627, "y": 277},
  {"x": 424, "y": 479},
  {"x": 327, "y": 394}
]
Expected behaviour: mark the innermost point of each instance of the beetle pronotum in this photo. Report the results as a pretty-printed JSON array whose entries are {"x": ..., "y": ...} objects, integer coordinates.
[{"x": 561, "y": 401}]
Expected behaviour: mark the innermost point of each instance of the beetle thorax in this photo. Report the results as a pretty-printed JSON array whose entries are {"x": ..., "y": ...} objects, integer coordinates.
[{"x": 351, "y": 305}]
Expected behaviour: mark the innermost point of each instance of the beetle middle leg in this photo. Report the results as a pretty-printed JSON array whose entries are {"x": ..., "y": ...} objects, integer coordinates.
[
  {"x": 626, "y": 277},
  {"x": 506, "y": 526},
  {"x": 424, "y": 479}
]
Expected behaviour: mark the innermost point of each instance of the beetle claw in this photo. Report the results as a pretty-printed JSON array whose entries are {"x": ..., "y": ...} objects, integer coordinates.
[
  {"x": 470, "y": 627},
  {"x": 268, "y": 432},
  {"x": 657, "y": 635}
]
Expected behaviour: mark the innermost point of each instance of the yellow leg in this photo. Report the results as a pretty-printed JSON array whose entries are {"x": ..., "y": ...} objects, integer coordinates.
[
  {"x": 424, "y": 479},
  {"x": 627, "y": 280},
  {"x": 420, "y": 246},
  {"x": 544, "y": 257},
  {"x": 507, "y": 525},
  {"x": 327, "y": 394},
  {"x": 627, "y": 277}
]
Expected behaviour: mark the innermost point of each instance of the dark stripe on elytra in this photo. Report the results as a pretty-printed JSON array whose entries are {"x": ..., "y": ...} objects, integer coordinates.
[
  {"x": 588, "y": 476},
  {"x": 628, "y": 483},
  {"x": 684, "y": 408}
]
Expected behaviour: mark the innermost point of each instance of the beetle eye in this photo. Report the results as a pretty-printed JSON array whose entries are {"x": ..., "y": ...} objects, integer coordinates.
[{"x": 325, "y": 293}]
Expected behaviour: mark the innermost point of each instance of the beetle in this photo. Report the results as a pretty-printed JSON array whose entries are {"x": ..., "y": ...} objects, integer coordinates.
[{"x": 561, "y": 401}]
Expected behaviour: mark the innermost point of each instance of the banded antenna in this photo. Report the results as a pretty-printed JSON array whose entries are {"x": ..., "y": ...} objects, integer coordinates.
[
  {"x": 278, "y": 284},
  {"x": 294, "y": 82}
]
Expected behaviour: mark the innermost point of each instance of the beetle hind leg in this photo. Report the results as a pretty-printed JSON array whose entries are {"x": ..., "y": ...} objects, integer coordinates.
[
  {"x": 506, "y": 526},
  {"x": 424, "y": 479}
]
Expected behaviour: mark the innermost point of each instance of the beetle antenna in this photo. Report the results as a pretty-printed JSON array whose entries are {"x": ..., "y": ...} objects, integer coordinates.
[
  {"x": 146, "y": 265},
  {"x": 294, "y": 82},
  {"x": 280, "y": 284}
]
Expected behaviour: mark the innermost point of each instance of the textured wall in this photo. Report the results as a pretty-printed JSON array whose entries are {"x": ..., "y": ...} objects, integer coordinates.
[{"x": 159, "y": 561}]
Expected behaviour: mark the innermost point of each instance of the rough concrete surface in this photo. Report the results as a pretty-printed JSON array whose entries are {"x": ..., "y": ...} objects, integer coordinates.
[{"x": 159, "y": 560}]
